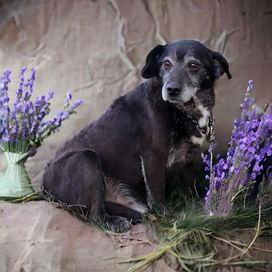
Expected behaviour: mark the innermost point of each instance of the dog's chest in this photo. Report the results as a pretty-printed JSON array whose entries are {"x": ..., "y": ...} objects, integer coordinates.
[
  {"x": 182, "y": 153},
  {"x": 184, "y": 149}
]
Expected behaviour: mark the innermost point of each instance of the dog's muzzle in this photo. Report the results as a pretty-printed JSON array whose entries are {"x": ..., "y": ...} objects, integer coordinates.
[
  {"x": 173, "y": 90},
  {"x": 175, "y": 93},
  {"x": 170, "y": 91}
]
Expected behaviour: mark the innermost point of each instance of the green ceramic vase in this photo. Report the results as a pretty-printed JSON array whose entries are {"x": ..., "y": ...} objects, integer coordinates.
[{"x": 14, "y": 180}]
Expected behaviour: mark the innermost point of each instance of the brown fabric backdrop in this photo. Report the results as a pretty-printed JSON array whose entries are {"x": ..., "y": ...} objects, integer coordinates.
[{"x": 96, "y": 50}]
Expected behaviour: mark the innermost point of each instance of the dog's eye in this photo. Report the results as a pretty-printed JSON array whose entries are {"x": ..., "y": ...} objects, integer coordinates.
[
  {"x": 194, "y": 66},
  {"x": 167, "y": 64}
]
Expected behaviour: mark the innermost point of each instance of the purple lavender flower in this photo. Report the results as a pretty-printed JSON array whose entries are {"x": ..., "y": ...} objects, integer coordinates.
[
  {"x": 14, "y": 124},
  {"x": 50, "y": 96},
  {"x": 4, "y": 101},
  {"x": 250, "y": 145},
  {"x": 29, "y": 85},
  {"x": 19, "y": 92},
  {"x": 250, "y": 86},
  {"x": 25, "y": 122},
  {"x": 68, "y": 99},
  {"x": 76, "y": 104}
]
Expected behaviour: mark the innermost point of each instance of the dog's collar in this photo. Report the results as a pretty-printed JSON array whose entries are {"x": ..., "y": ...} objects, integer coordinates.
[{"x": 208, "y": 130}]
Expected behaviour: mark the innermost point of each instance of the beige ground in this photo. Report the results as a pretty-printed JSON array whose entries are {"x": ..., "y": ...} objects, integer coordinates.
[{"x": 36, "y": 236}]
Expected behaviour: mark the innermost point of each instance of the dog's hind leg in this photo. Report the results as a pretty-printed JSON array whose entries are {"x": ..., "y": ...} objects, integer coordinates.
[
  {"x": 76, "y": 179},
  {"x": 121, "y": 210}
]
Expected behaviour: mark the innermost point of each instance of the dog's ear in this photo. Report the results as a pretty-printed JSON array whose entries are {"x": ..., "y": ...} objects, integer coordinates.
[
  {"x": 221, "y": 65},
  {"x": 151, "y": 67}
]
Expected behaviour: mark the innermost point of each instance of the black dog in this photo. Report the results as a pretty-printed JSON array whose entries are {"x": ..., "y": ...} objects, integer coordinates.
[{"x": 114, "y": 170}]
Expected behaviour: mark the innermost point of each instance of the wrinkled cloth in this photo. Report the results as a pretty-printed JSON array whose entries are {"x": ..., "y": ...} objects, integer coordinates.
[
  {"x": 37, "y": 236},
  {"x": 95, "y": 49}
]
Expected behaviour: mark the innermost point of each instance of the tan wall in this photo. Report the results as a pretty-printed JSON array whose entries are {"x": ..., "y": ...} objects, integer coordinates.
[{"x": 96, "y": 49}]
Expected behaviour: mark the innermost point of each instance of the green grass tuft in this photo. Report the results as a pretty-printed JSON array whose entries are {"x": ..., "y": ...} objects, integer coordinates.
[{"x": 192, "y": 237}]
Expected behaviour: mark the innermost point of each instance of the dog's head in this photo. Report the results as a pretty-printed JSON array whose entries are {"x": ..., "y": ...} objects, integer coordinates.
[{"x": 187, "y": 71}]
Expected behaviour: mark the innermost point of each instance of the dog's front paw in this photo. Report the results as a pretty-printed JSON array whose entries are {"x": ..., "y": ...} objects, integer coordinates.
[{"x": 117, "y": 223}]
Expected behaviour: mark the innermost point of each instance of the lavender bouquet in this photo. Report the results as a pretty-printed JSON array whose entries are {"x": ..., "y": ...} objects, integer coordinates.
[
  {"x": 249, "y": 148},
  {"x": 23, "y": 128}
]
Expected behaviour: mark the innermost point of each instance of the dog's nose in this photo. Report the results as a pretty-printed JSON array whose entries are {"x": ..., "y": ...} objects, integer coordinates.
[{"x": 173, "y": 91}]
